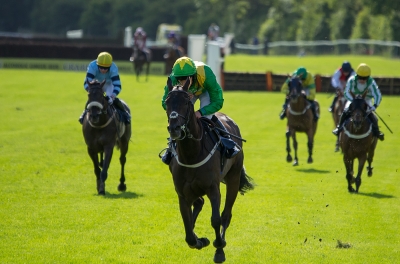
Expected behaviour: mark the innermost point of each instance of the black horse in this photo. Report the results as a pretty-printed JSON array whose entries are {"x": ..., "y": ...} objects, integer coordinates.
[
  {"x": 102, "y": 130},
  {"x": 141, "y": 61},
  {"x": 196, "y": 169},
  {"x": 357, "y": 141}
]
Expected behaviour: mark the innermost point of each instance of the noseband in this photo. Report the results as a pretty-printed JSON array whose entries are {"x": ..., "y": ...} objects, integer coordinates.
[{"x": 186, "y": 117}]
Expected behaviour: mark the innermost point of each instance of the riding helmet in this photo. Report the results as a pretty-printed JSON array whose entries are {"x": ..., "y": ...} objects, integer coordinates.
[
  {"x": 363, "y": 70},
  {"x": 301, "y": 72},
  {"x": 184, "y": 66},
  {"x": 346, "y": 66},
  {"x": 104, "y": 59}
]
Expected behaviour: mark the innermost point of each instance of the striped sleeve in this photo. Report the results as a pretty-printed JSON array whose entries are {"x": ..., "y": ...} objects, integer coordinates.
[{"x": 376, "y": 93}]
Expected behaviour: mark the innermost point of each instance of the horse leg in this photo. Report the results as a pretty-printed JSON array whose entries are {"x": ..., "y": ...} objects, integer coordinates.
[
  {"x": 370, "y": 157},
  {"x": 215, "y": 198},
  {"x": 349, "y": 173},
  {"x": 296, "y": 160},
  {"x": 95, "y": 159},
  {"x": 101, "y": 159},
  {"x": 197, "y": 206},
  {"x": 232, "y": 186},
  {"x": 187, "y": 217},
  {"x": 310, "y": 145},
  {"x": 122, "y": 161},
  {"x": 337, "y": 145},
  {"x": 361, "y": 162},
  {"x": 108, "y": 151},
  {"x": 288, "y": 157}
]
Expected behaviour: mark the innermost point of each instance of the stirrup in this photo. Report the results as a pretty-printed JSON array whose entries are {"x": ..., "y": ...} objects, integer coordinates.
[
  {"x": 230, "y": 153},
  {"x": 381, "y": 136},
  {"x": 166, "y": 157},
  {"x": 282, "y": 115},
  {"x": 336, "y": 131}
]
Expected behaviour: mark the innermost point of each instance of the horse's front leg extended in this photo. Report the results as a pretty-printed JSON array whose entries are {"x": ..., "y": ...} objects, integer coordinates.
[
  {"x": 187, "y": 217},
  {"x": 361, "y": 162}
]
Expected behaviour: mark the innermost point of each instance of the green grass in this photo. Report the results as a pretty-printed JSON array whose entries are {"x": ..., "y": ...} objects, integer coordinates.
[
  {"x": 51, "y": 213},
  {"x": 324, "y": 65}
]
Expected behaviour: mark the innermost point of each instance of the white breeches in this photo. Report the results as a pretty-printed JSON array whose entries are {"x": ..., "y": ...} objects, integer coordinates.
[{"x": 204, "y": 100}]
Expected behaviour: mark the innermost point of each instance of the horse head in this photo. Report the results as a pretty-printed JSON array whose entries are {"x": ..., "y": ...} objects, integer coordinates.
[
  {"x": 358, "y": 109},
  {"x": 97, "y": 103},
  {"x": 179, "y": 109},
  {"x": 295, "y": 88}
]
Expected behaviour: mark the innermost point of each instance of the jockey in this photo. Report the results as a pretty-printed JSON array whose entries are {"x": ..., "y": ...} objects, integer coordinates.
[
  {"x": 339, "y": 80},
  {"x": 308, "y": 83},
  {"x": 105, "y": 69},
  {"x": 139, "y": 42},
  {"x": 203, "y": 86},
  {"x": 357, "y": 85},
  {"x": 172, "y": 44},
  {"x": 213, "y": 32}
]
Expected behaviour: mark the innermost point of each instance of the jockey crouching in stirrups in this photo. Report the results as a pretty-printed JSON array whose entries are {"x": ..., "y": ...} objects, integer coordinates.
[{"x": 357, "y": 85}]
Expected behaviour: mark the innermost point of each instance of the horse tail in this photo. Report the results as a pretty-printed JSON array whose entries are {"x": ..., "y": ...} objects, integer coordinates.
[{"x": 246, "y": 182}]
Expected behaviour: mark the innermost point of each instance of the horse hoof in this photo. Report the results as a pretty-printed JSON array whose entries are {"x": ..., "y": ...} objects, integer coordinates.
[
  {"x": 295, "y": 163},
  {"x": 102, "y": 192},
  {"x": 310, "y": 160},
  {"x": 219, "y": 256},
  {"x": 204, "y": 241},
  {"x": 122, "y": 187},
  {"x": 289, "y": 158}
]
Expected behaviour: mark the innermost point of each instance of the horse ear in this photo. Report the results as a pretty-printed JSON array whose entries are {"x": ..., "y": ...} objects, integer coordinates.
[
  {"x": 186, "y": 85},
  {"x": 169, "y": 84}
]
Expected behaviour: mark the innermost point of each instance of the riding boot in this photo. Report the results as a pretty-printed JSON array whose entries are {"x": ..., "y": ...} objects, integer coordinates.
[
  {"x": 167, "y": 156},
  {"x": 83, "y": 114},
  {"x": 331, "y": 108},
  {"x": 232, "y": 149},
  {"x": 343, "y": 117},
  {"x": 121, "y": 107},
  {"x": 375, "y": 128},
  {"x": 314, "y": 110},
  {"x": 282, "y": 115}
]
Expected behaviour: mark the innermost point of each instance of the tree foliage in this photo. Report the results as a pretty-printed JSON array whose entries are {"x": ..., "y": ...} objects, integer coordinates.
[{"x": 272, "y": 19}]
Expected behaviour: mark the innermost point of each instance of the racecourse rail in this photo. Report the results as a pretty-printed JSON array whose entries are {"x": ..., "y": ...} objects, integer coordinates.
[{"x": 54, "y": 55}]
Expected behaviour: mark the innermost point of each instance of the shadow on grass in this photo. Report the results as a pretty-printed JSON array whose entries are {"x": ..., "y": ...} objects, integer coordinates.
[
  {"x": 377, "y": 195},
  {"x": 313, "y": 171},
  {"x": 122, "y": 195}
]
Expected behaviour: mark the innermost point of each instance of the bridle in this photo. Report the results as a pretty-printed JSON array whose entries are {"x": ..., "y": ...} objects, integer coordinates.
[
  {"x": 103, "y": 110},
  {"x": 295, "y": 93},
  {"x": 186, "y": 117}
]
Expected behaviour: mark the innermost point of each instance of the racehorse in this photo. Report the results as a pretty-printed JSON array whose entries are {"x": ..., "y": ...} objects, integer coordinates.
[
  {"x": 102, "y": 130},
  {"x": 337, "y": 112},
  {"x": 140, "y": 62},
  {"x": 197, "y": 171},
  {"x": 300, "y": 119},
  {"x": 357, "y": 141},
  {"x": 171, "y": 54}
]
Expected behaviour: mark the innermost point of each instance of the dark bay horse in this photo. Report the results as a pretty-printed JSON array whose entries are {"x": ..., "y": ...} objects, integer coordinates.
[
  {"x": 337, "y": 112},
  {"x": 141, "y": 62},
  {"x": 357, "y": 141},
  {"x": 300, "y": 119},
  {"x": 171, "y": 54},
  {"x": 102, "y": 130},
  {"x": 196, "y": 169}
]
